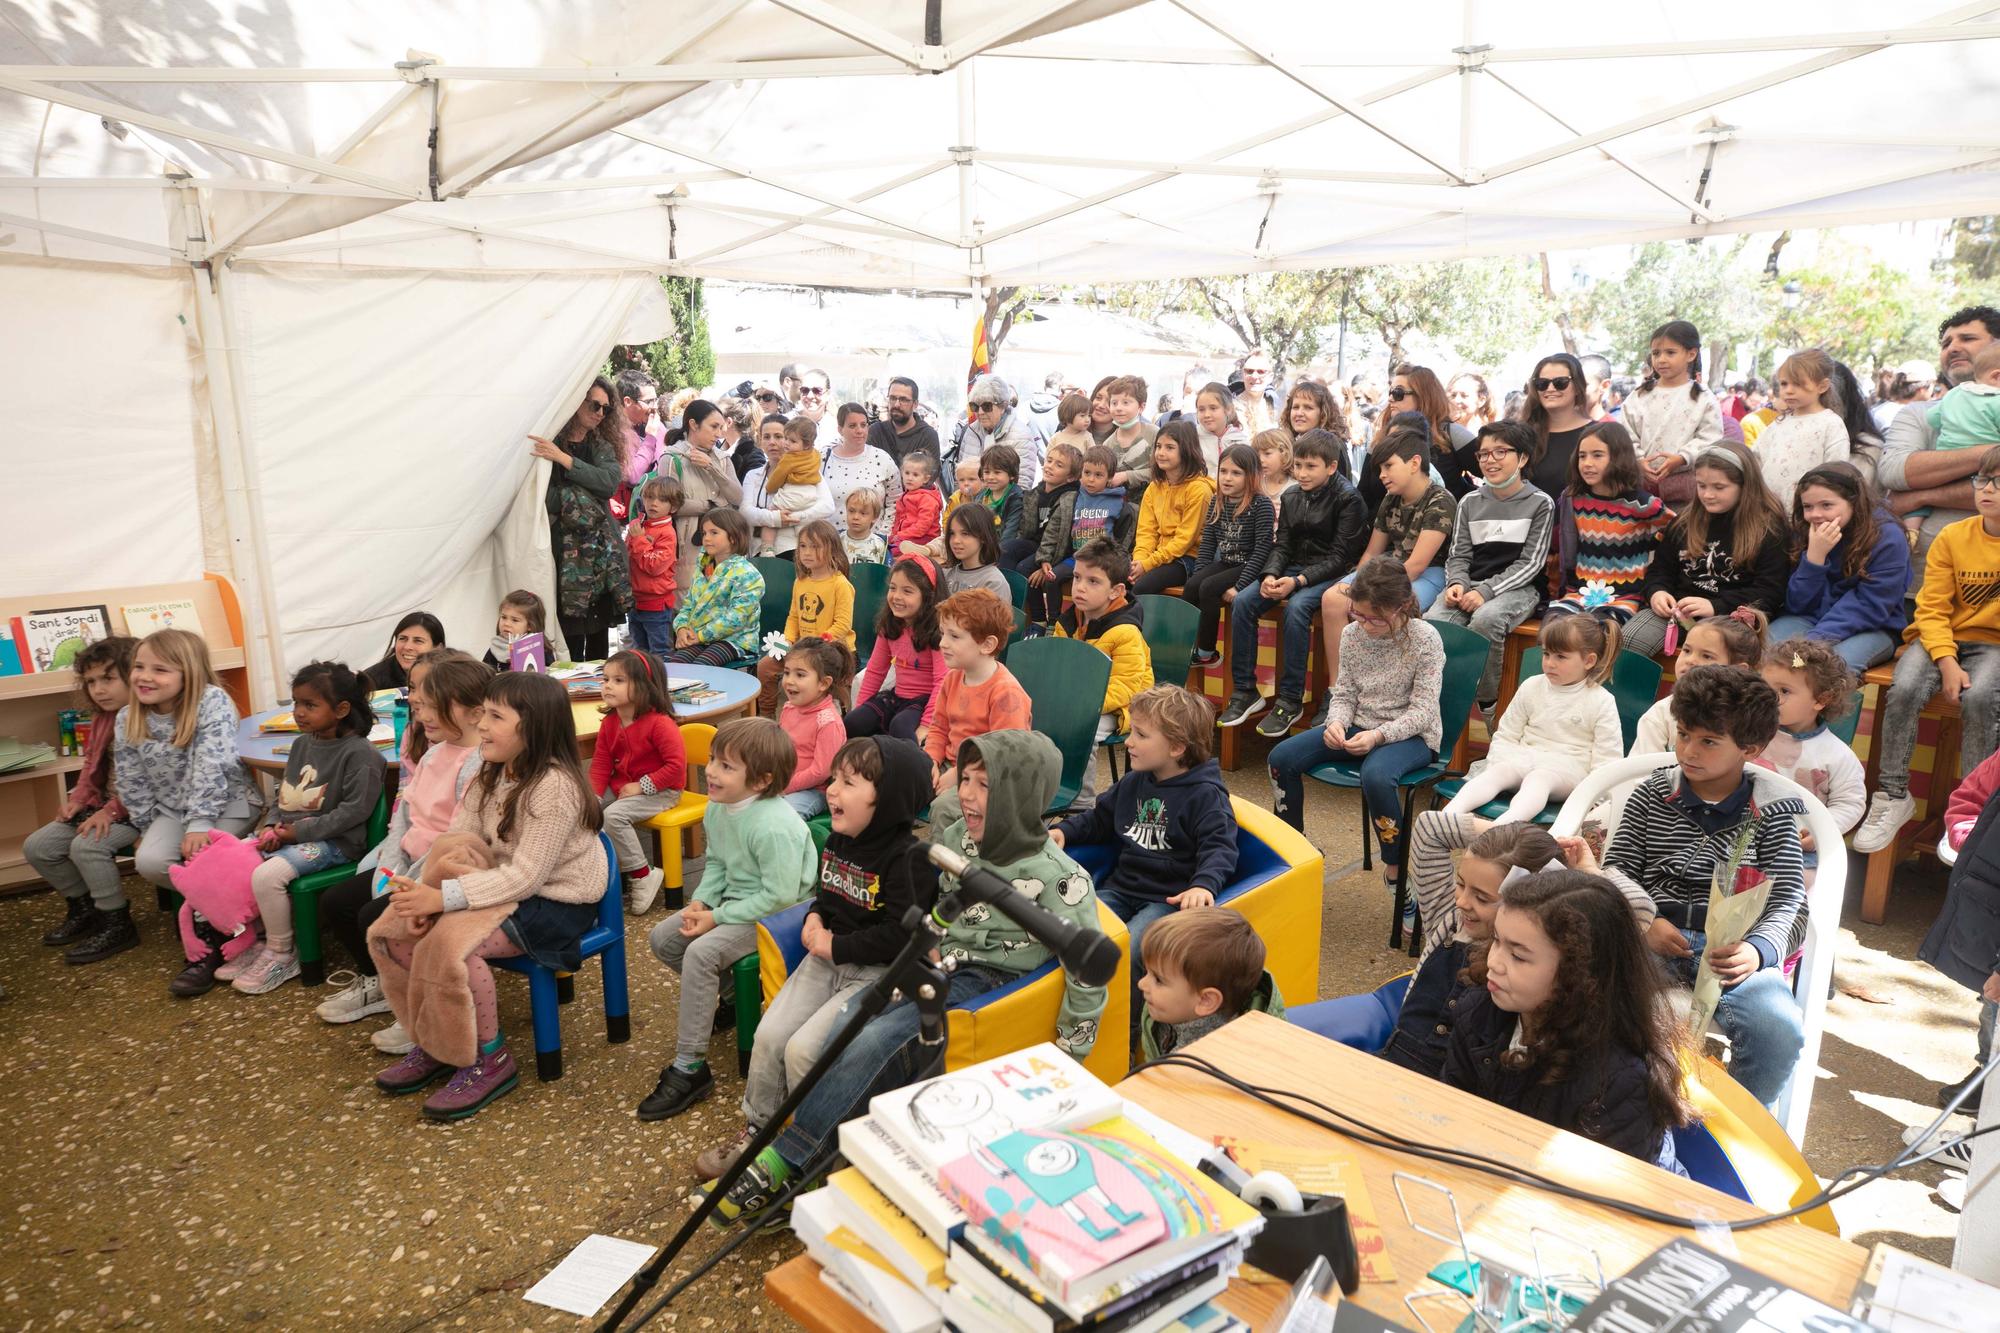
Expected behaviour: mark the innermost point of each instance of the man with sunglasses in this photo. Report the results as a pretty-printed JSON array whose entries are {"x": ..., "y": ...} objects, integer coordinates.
[
  {"x": 788, "y": 389},
  {"x": 902, "y": 431},
  {"x": 1256, "y": 399}
]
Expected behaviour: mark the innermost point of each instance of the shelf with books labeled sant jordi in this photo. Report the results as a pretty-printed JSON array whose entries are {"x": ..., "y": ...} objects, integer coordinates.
[{"x": 1025, "y": 1194}]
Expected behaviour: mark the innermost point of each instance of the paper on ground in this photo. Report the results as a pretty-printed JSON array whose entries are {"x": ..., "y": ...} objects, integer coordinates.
[{"x": 591, "y": 1274}]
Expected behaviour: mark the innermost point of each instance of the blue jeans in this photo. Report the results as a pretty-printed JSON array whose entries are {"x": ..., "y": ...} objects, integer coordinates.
[
  {"x": 309, "y": 857},
  {"x": 1138, "y": 913},
  {"x": 1292, "y": 758},
  {"x": 1765, "y": 1027},
  {"x": 886, "y": 1055},
  {"x": 653, "y": 630},
  {"x": 1294, "y": 639},
  {"x": 1859, "y": 651},
  {"x": 1425, "y": 586},
  {"x": 810, "y": 802}
]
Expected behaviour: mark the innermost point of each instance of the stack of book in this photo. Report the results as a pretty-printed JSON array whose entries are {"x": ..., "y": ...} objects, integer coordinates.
[
  {"x": 16, "y": 755},
  {"x": 1024, "y": 1194}
]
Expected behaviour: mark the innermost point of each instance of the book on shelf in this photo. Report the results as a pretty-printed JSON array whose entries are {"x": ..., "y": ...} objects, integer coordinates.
[
  {"x": 143, "y": 618},
  {"x": 14, "y": 659},
  {"x": 53, "y": 638},
  {"x": 1683, "y": 1286},
  {"x": 16, "y": 755}
]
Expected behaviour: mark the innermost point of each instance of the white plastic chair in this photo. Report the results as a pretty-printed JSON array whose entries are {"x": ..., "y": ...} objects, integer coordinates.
[{"x": 1814, "y": 977}]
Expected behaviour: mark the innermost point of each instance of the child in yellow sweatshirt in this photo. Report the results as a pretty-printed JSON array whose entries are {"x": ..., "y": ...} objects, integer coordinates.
[
  {"x": 1099, "y": 615},
  {"x": 1953, "y": 645},
  {"x": 1171, "y": 511}
]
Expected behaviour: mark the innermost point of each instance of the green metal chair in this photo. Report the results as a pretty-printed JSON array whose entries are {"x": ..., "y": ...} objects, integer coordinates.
[
  {"x": 1017, "y": 583},
  {"x": 1464, "y": 662},
  {"x": 1634, "y": 683},
  {"x": 1169, "y": 624},
  {"x": 1065, "y": 682},
  {"x": 871, "y": 589},
  {"x": 306, "y": 889}
]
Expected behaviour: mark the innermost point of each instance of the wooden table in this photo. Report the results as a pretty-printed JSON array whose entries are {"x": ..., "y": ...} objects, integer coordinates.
[{"x": 1497, "y": 1214}]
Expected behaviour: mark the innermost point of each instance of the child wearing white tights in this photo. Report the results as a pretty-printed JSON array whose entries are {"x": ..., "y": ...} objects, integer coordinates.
[{"x": 1558, "y": 726}]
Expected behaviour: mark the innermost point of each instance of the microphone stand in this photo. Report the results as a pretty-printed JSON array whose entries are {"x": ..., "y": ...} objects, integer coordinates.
[{"x": 910, "y": 973}]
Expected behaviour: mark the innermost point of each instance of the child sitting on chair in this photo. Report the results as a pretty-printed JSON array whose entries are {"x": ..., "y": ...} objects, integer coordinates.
[
  {"x": 867, "y": 880},
  {"x": 1169, "y": 816},
  {"x": 977, "y": 694},
  {"x": 1710, "y": 816},
  {"x": 1204, "y": 967},
  {"x": 760, "y": 861}
]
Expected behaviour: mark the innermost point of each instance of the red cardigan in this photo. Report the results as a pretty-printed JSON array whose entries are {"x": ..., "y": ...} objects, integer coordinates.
[{"x": 649, "y": 749}]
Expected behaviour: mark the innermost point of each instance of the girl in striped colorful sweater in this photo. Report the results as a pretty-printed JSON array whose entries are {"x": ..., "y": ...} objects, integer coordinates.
[{"x": 1608, "y": 527}]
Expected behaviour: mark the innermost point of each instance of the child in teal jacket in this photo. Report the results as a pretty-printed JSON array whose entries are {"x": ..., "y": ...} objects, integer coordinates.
[{"x": 719, "y": 618}]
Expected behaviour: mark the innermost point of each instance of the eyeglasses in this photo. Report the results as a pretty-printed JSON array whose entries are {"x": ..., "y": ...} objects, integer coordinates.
[
  {"x": 767, "y": 397},
  {"x": 812, "y": 393},
  {"x": 1990, "y": 483},
  {"x": 651, "y": 405},
  {"x": 597, "y": 405},
  {"x": 1398, "y": 394},
  {"x": 1373, "y": 622},
  {"x": 901, "y": 398},
  {"x": 1552, "y": 382},
  {"x": 986, "y": 407},
  {"x": 1493, "y": 455},
  {"x": 1259, "y": 371}
]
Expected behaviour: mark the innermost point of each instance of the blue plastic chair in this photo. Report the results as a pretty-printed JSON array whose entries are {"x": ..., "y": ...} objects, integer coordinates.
[
  {"x": 1706, "y": 1162},
  {"x": 546, "y": 990},
  {"x": 1464, "y": 661},
  {"x": 1365, "y": 1021}
]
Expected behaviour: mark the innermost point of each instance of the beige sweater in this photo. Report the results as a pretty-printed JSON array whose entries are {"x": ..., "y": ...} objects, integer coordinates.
[{"x": 552, "y": 853}]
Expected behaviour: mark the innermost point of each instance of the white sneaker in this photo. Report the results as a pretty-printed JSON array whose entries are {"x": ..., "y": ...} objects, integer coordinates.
[
  {"x": 240, "y": 964},
  {"x": 393, "y": 1040},
  {"x": 1886, "y": 816},
  {"x": 356, "y": 1002},
  {"x": 1958, "y": 1154},
  {"x": 273, "y": 968},
  {"x": 642, "y": 893}
]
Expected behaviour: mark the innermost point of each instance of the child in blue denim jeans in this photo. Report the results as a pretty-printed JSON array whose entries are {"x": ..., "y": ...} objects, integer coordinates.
[
  {"x": 333, "y": 778},
  {"x": 1710, "y": 815}
]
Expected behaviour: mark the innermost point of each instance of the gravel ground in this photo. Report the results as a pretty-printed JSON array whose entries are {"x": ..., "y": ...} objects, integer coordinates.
[{"x": 228, "y": 1161}]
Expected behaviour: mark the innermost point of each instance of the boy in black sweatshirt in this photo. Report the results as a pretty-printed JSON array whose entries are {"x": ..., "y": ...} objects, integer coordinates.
[
  {"x": 867, "y": 879},
  {"x": 1169, "y": 817}
]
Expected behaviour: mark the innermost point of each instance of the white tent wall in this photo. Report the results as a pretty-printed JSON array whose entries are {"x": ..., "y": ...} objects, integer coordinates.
[
  {"x": 99, "y": 365},
  {"x": 388, "y": 414}
]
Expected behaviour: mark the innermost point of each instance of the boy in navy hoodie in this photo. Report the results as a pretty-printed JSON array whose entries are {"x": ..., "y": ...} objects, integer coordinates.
[
  {"x": 1169, "y": 816},
  {"x": 1100, "y": 509}
]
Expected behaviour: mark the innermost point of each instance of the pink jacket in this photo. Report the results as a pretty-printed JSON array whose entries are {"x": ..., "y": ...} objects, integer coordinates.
[
  {"x": 93, "y": 782},
  {"x": 817, "y": 734},
  {"x": 1969, "y": 798}
]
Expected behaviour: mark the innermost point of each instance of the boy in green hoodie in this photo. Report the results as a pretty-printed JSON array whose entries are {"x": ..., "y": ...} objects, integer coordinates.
[
  {"x": 1005, "y": 780},
  {"x": 1204, "y": 966},
  {"x": 760, "y": 860}
]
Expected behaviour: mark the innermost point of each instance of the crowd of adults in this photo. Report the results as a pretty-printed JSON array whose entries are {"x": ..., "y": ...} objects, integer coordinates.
[{"x": 713, "y": 438}]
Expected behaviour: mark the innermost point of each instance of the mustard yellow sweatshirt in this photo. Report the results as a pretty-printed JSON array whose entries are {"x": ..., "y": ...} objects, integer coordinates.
[
  {"x": 1170, "y": 515},
  {"x": 1959, "y": 601}
]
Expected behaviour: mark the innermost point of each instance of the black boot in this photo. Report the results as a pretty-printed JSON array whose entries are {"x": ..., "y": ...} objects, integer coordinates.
[
  {"x": 1970, "y": 1106},
  {"x": 80, "y": 920},
  {"x": 115, "y": 934},
  {"x": 198, "y": 977}
]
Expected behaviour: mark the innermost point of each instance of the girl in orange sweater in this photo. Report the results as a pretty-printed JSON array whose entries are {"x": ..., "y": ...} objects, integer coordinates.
[{"x": 1170, "y": 513}]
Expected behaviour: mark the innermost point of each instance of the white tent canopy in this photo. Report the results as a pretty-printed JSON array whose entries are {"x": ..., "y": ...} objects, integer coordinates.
[{"x": 350, "y": 253}]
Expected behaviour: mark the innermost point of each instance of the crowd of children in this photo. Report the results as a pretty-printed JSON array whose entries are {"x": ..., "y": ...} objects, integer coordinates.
[{"x": 1545, "y": 962}]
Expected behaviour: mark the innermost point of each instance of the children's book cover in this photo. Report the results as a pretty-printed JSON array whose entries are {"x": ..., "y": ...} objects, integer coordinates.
[
  {"x": 143, "y": 618},
  {"x": 1037, "y": 1088},
  {"x": 56, "y": 636}
]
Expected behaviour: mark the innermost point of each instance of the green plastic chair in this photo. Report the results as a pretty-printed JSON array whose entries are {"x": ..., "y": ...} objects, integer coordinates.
[
  {"x": 1634, "y": 684},
  {"x": 306, "y": 889},
  {"x": 1020, "y": 633},
  {"x": 1169, "y": 624},
  {"x": 745, "y": 975},
  {"x": 1843, "y": 727},
  {"x": 776, "y": 606},
  {"x": 1065, "y": 682},
  {"x": 1464, "y": 662},
  {"x": 871, "y": 589},
  {"x": 1017, "y": 583}
]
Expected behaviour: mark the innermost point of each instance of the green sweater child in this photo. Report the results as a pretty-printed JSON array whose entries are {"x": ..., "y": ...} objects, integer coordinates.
[
  {"x": 1006, "y": 780},
  {"x": 761, "y": 860}
]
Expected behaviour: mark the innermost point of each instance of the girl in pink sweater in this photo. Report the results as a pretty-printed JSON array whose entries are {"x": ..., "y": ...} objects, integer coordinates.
[
  {"x": 906, "y": 637},
  {"x": 816, "y": 671},
  {"x": 639, "y": 767}
]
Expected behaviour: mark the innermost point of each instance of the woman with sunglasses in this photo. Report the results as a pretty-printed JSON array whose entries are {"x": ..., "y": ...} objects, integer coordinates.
[
  {"x": 1415, "y": 391},
  {"x": 593, "y": 580},
  {"x": 1554, "y": 409}
]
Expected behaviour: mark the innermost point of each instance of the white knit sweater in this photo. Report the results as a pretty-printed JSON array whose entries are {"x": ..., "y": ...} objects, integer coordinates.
[{"x": 1568, "y": 728}]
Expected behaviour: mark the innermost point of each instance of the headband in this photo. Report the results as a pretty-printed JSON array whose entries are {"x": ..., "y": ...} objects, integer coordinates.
[
  {"x": 645, "y": 664},
  {"x": 923, "y": 562},
  {"x": 1517, "y": 873}
]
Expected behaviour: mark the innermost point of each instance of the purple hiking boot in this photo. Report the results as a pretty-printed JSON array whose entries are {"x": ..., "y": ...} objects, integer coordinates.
[
  {"x": 492, "y": 1075},
  {"x": 413, "y": 1072}
]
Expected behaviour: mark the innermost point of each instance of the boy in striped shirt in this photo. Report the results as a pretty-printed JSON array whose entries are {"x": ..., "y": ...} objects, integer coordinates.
[{"x": 1711, "y": 815}]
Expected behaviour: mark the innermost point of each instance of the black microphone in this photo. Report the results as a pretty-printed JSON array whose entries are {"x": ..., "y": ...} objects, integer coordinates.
[{"x": 1089, "y": 955}]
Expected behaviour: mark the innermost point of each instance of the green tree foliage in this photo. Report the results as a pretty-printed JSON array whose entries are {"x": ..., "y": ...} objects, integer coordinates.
[
  {"x": 1484, "y": 308},
  {"x": 1864, "y": 312},
  {"x": 682, "y": 360},
  {"x": 1666, "y": 280}
]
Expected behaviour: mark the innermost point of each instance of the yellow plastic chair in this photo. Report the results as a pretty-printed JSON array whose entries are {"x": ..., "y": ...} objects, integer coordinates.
[
  {"x": 1023, "y": 1012},
  {"x": 1772, "y": 1171},
  {"x": 671, "y": 826}
]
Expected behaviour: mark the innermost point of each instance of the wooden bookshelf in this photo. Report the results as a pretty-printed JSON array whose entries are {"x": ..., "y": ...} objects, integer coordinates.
[{"x": 31, "y": 797}]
